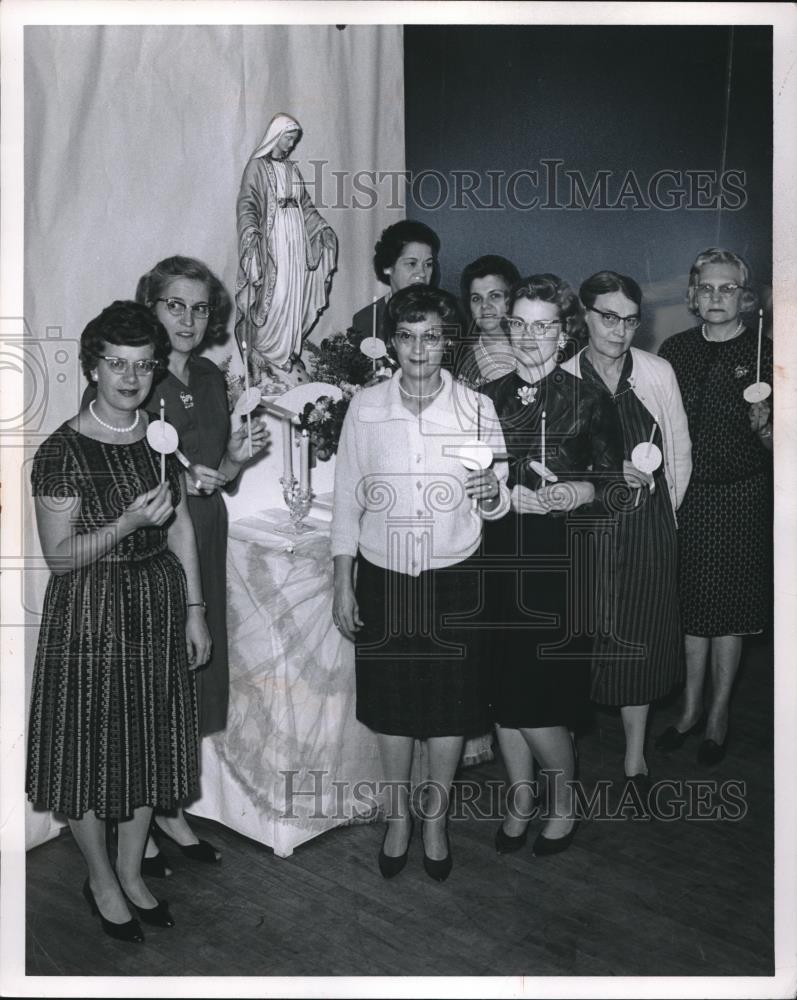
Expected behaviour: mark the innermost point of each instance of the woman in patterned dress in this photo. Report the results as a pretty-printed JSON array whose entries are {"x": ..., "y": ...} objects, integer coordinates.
[
  {"x": 112, "y": 731},
  {"x": 638, "y": 656},
  {"x": 725, "y": 528}
]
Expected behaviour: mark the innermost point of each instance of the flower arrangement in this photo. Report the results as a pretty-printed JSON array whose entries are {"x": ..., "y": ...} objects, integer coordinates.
[{"x": 338, "y": 361}]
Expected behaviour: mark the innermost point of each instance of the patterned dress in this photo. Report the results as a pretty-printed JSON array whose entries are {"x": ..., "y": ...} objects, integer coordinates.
[
  {"x": 544, "y": 607},
  {"x": 113, "y": 706},
  {"x": 199, "y": 413},
  {"x": 639, "y": 648},
  {"x": 725, "y": 521}
]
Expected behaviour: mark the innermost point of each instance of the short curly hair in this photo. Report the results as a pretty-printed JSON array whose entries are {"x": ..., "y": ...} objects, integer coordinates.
[
  {"x": 393, "y": 240},
  {"x": 123, "y": 324},
  {"x": 716, "y": 255},
  {"x": 414, "y": 303},
  {"x": 483, "y": 267},
  {"x": 551, "y": 288},
  {"x": 152, "y": 285}
]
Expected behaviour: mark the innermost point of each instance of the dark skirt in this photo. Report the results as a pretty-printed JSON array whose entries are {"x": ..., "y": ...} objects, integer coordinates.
[
  {"x": 419, "y": 664},
  {"x": 725, "y": 537},
  {"x": 540, "y": 656},
  {"x": 209, "y": 517}
]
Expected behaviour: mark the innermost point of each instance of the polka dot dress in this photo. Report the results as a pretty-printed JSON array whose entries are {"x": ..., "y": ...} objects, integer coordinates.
[{"x": 725, "y": 521}]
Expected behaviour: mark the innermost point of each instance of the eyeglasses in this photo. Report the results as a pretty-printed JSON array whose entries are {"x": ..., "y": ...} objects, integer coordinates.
[
  {"x": 121, "y": 366},
  {"x": 538, "y": 328},
  {"x": 611, "y": 320},
  {"x": 429, "y": 338},
  {"x": 724, "y": 290},
  {"x": 177, "y": 307}
]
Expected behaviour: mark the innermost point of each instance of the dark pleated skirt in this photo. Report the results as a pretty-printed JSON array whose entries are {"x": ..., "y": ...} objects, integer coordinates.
[
  {"x": 419, "y": 663},
  {"x": 540, "y": 655}
]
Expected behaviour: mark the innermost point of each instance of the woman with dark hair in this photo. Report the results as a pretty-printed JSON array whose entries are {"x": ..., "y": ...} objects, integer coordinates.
[
  {"x": 638, "y": 652},
  {"x": 113, "y": 731},
  {"x": 405, "y": 254},
  {"x": 540, "y": 686},
  {"x": 194, "y": 308},
  {"x": 725, "y": 530},
  {"x": 484, "y": 286},
  {"x": 407, "y": 521}
]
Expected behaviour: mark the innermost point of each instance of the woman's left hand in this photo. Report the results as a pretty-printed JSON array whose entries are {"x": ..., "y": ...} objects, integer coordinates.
[
  {"x": 197, "y": 638},
  {"x": 238, "y": 445},
  {"x": 760, "y": 415},
  {"x": 482, "y": 484},
  {"x": 566, "y": 495}
]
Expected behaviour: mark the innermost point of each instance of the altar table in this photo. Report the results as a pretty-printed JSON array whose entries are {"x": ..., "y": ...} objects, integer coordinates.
[{"x": 293, "y": 761}]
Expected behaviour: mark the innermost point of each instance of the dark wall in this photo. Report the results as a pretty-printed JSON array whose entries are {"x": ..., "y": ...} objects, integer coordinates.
[{"x": 631, "y": 102}]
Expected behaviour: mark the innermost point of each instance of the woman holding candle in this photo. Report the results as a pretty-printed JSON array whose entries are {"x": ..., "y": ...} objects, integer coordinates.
[
  {"x": 405, "y": 254},
  {"x": 725, "y": 523},
  {"x": 485, "y": 286},
  {"x": 193, "y": 306},
  {"x": 638, "y": 653},
  {"x": 564, "y": 451},
  {"x": 113, "y": 731},
  {"x": 407, "y": 521}
]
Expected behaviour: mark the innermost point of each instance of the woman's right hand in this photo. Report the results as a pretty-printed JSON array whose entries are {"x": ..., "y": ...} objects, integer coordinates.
[
  {"x": 345, "y": 612},
  {"x": 526, "y": 501},
  {"x": 149, "y": 510},
  {"x": 635, "y": 478},
  {"x": 202, "y": 480}
]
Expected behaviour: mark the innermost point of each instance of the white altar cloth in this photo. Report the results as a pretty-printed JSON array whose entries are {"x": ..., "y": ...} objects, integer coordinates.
[{"x": 287, "y": 767}]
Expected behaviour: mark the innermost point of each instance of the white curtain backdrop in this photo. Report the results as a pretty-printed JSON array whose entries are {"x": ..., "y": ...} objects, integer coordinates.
[{"x": 135, "y": 141}]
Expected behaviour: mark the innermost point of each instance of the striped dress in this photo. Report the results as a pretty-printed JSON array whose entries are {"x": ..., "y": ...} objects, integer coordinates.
[
  {"x": 639, "y": 649},
  {"x": 113, "y": 704}
]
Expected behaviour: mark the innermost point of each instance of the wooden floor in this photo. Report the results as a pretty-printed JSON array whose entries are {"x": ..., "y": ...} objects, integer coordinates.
[{"x": 630, "y": 897}]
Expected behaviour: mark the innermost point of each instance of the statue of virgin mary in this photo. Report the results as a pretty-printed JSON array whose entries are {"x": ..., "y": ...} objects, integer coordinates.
[{"x": 287, "y": 252}]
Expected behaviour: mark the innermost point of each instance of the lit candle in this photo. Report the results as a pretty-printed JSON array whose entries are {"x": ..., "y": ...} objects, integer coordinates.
[
  {"x": 304, "y": 460},
  {"x": 287, "y": 451},
  {"x": 373, "y": 334},
  {"x": 163, "y": 433},
  {"x": 246, "y": 385},
  {"x": 542, "y": 459},
  {"x": 760, "y": 330}
]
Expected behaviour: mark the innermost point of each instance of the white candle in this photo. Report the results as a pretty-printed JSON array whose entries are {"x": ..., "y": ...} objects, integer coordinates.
[
  {"x": 373, "y": 334},
  {"x": 760, "y": 330},
  {"x": 163, "y": 433},
  {"x": 653, "y": 432},
  {"x": 304, "y": 460},
  {"x": 246, "y": 385},
  {"x": 478, "y": 417},
  {"x": 287, "y": 451},
  {"x": 542, "y": 459}
]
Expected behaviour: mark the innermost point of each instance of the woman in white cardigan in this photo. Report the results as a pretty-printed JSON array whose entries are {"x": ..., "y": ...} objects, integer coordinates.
[
  {"x": 406, "y": 525},
  {"x": 638, "y": 653}
]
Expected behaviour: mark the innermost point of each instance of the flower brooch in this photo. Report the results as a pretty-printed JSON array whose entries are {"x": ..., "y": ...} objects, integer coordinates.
[{"x": 527, "y": 394}]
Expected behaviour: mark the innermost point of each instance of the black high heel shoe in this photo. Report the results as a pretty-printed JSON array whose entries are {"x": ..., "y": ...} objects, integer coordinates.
[
  {"x": 203, "y": 851},
  {"x": 157, "y": 916},
  {"x": 129, "y": 931},
  {"x": 504, "y": 844},
  {"x": 391, "y": 866},
  {"x": 155, "y": 867},
  {"x": 543, "y": 846},
  {"x": 672, "y": 739},
  {"x": 438, "y": 870}
]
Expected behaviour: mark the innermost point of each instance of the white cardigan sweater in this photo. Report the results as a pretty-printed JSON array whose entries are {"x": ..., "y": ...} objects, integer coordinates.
[
  {"x": 400, "y": 484},
  {"x": 654, "y": 384}
]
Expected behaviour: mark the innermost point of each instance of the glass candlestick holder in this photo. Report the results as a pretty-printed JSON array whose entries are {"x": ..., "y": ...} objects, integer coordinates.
[{"x": 297, "y": 500}]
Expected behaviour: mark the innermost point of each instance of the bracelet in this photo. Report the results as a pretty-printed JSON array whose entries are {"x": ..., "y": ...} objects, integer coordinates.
[{"x": 198, "y": 604}]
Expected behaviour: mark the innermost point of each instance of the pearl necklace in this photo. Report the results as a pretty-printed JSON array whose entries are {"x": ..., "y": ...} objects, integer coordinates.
[
  {"x": 733, "y": 336},
  {"x": 110, "y": 427},
  {"x": 423, "y": 395}
]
